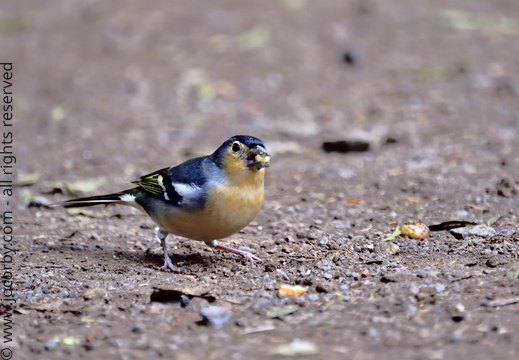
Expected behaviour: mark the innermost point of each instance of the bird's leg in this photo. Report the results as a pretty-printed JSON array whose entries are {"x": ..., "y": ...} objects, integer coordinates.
[
  {"x": 168, "y": 264},
  {"x": 154, "y": 240},
  {"x": 247, "y": 255}
]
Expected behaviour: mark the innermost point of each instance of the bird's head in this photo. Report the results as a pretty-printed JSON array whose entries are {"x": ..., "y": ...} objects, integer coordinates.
[{"x": 242, "y": 153}]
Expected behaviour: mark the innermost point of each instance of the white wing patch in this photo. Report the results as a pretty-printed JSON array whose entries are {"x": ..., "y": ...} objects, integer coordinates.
[
  {"x": 129, "y": 199},
  {"x": 190, "y": 193}
]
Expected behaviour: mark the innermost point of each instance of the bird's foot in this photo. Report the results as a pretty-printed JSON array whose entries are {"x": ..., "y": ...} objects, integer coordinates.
[
  {"x": 247, "y": 255},
  {"x": 168, "y": 265}
]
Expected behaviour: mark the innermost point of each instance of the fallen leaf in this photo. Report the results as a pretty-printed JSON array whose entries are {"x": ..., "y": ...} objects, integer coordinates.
[
  {"x": 493, "y": 220},
  {"x": 85, "y": 186},
  {"x": 294, "y": 4},
  {"x": 394, "y": 235},
  {"x": 367, "y": 228},
  {"x": 26, "y": 179},
  {"x": 84, "y": 212},
  {"x": 513, "y": 272},
  {"x": 353, "y": 201},
  {"x": 70, "y": 340},
  {"x": 296, "y": 347},
  {"x": 57, "y": 113},
  {"x": 503, "y": 302},
  {"x": 291, "y": 290},
  {"x": 76, "y": 188},
  {"x": 279, "y": 313},
  {"x": 466, "y": 20},
  {"x": 254, "y": 38},
  {"x": 318, "y": 195}
]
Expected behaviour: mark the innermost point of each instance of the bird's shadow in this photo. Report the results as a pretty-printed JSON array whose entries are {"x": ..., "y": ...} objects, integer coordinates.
[{"x": 146, "y": 258}]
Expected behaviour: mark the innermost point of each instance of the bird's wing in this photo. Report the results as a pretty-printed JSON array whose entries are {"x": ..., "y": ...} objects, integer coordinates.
[{"x": 182, "y": 185}]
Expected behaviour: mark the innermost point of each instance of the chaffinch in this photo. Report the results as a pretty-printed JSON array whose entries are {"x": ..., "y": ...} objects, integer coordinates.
[{"x": 205, "y": 198}]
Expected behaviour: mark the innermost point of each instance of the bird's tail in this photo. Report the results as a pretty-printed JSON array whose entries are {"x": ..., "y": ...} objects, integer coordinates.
[{"x": 122, "y": 197}]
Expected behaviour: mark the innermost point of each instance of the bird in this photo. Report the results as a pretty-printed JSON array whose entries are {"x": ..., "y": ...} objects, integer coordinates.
[{"x": 206, "y": 198}]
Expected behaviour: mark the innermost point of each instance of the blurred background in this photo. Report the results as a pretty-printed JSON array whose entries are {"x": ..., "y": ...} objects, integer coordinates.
[{"x": 124, "y": 87}]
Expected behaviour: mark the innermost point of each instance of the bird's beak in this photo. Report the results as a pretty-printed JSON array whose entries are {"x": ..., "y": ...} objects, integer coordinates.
[{"x": 258, "y": 157}]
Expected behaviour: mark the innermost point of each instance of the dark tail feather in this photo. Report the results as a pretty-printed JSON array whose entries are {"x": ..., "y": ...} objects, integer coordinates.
[{"x": 96, "y": 200}]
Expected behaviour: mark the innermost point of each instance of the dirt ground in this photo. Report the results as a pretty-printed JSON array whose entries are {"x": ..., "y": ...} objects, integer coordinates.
[{"x": 105, "y": 91}]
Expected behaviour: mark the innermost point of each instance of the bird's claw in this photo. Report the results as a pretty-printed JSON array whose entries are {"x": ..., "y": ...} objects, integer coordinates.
[{"x": 168, "y": 265}]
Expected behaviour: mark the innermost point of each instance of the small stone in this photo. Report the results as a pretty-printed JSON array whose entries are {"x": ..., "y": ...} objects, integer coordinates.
[
  {"x": 51, "y": 344},
  {"x": 410, "y": 309},
  {"x": 387, "y": 247},
  {"x": 215, "y": 315},
  {"x": 457, "y": 312},
  {"x": 296, "y": 348},
  {"x": 324, "y": 288},
  {"x": 327, "y": 276},
  {"x": 396, "y": 277},
  {"x": 184, "y": 301},
  {"x": 440, "y": 287},
  {"x": 462, "y": 214},
  {"x": 372, "y": 332},
  {"x": 492, "y": 263},
  {"x": 137, "y": 329},
  {"x": 473, "y": 231},
  {"x": 313, "y": 297},
  {"x": 261, "y": 303},
  {"x": 111, "y": 286},
  {"x": 350, "y": 57},
  {"x": 355, "y": 275},
  {"x": 507, "y": 187}
]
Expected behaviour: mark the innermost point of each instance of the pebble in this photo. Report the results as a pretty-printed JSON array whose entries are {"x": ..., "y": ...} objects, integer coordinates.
[
  {"x": 111, "y": 286},
  {"x": 410, "y": 309},
  {"x": 354, "y": 275},
  {"x": 387, "y": 247},
  {"x": 462, "y": 213},
  {"x": 457, "y": 312},
  {"x": 137, "y": 329},
  {"x": 473, "y": 231},
  {"x": 350, "y": 57},
  {"x": 372, "y": 332},
  {"x": 261, "y": 303},
  {"x": 324, "y": 288},
  {"x": 440, "y": 287},
  {"x": 184, "y": 301},
  {"x": 51, "y": 344},
  {"x": 492, "y": 263},
  {"x": 327, "y": 276},
  {"x": 215, "y": 315},
  {"x": 313, "y": 297}
]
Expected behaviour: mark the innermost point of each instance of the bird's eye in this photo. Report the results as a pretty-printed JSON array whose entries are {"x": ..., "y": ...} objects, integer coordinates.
[{"x": 236, "y": 147}]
